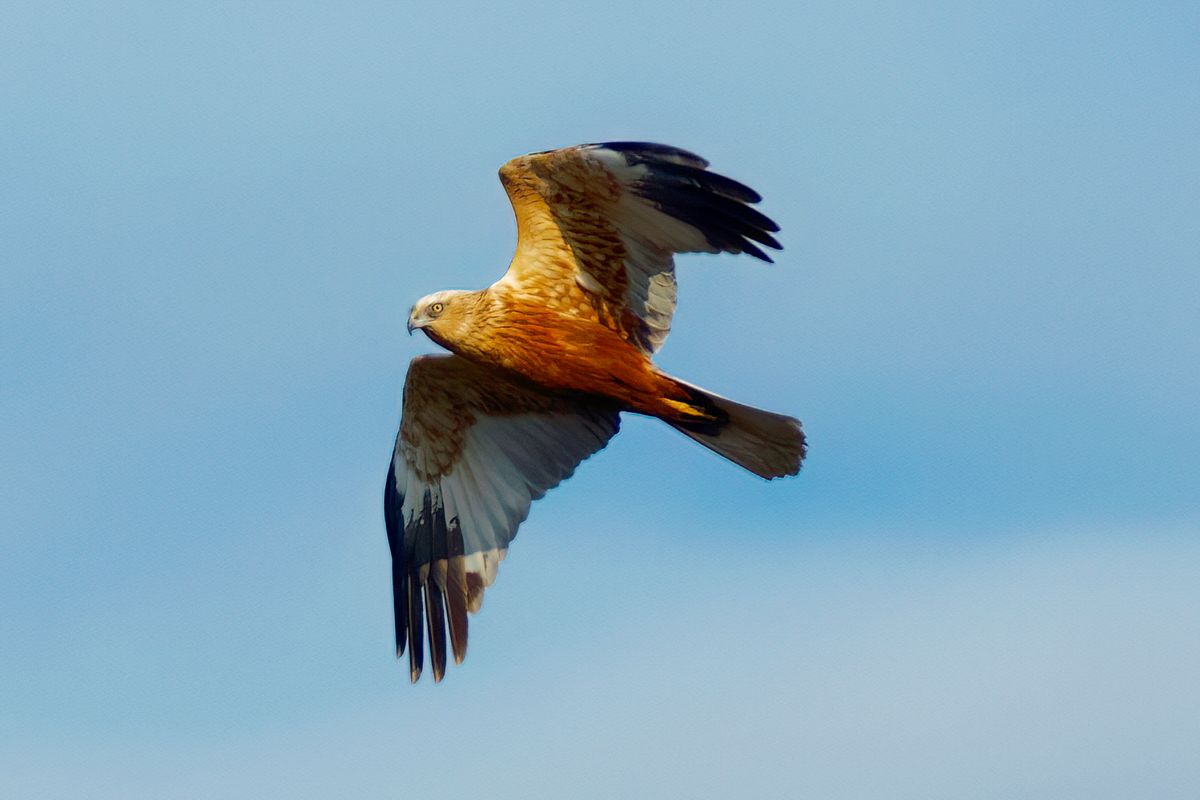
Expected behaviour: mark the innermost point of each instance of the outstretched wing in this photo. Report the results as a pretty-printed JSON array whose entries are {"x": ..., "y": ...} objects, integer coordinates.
[
  {"x": 476, "y": 447},
  {"x": 598, "y": 224}
]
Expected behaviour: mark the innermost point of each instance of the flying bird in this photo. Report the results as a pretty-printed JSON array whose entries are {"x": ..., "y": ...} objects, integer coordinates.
[{"x": 545, "y": 360}]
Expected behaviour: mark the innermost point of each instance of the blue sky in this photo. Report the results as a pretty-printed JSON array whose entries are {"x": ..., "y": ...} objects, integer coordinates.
[{"x": 214, "y": 218}]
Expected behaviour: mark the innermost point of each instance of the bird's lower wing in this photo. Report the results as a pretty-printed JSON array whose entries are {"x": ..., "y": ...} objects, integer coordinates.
[{"x": 476, "y": 447}]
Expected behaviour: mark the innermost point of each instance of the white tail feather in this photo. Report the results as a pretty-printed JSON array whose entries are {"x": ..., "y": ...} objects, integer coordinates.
[{"x": 769, "y": 445}]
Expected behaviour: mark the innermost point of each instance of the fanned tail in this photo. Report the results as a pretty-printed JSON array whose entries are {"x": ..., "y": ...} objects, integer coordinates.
[{"x": 769, "y": 445}]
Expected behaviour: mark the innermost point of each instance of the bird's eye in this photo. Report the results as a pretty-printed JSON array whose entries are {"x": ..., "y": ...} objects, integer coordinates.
[{"x": 436, "y": 308}]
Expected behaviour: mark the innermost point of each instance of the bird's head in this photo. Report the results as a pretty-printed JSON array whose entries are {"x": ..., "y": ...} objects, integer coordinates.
[{"x": 441, "y": 314}]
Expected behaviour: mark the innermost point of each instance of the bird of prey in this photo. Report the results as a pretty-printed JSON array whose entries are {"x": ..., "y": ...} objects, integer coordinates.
[{"x": 545, "y": 360}]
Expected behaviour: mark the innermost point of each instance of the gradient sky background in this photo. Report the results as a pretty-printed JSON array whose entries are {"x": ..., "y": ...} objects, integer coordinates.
[{"x": 985, "y": 584}]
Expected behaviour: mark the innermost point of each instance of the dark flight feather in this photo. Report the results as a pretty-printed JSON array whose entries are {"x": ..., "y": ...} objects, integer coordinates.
[{"x": 678, "y": 184}]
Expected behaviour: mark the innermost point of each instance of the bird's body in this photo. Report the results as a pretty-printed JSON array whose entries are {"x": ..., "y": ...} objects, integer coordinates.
[
  {"x": 564, "y": 352},
  {"x": 545, "y": 360}
]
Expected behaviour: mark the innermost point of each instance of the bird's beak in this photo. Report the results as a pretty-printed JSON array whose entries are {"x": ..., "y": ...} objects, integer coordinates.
[{"x": 411, "y": 327}]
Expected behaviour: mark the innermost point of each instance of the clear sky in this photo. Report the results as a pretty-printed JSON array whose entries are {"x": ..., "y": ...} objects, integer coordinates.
[{"x": 985, "y": 583}]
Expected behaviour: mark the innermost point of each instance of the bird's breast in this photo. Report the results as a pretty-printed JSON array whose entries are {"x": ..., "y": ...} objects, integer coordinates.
[{"x": 569, "y": 354}]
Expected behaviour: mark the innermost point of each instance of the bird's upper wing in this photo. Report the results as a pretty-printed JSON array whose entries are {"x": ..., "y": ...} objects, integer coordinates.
[
  {"x": 598, "y": 224},
  {"x": 476, "y": 447}
]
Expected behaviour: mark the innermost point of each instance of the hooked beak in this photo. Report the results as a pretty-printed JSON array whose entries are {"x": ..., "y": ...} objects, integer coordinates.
[{"x": 412, "y": 327}]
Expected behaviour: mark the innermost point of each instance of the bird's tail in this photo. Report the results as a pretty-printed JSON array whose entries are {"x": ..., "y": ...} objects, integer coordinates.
[{"x": 769, "y": 445}]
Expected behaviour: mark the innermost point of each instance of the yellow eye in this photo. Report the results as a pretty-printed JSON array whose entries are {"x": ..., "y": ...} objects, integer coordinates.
[{"x": 436, "y": 308}]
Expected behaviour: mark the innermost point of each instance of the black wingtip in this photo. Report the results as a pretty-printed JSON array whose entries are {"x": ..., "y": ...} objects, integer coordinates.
[
  {"x": 392, "y": 502},
  {"x": 656, "y": 152},
  {"x": 698, "y": 177},
  {"x": 436, "y": 618},
  {"x": 750, "y": 249},
  {"x": 727, "y": 224},
  {"x": 679, "y": 184},
  {"x": 416, "y": 644}
]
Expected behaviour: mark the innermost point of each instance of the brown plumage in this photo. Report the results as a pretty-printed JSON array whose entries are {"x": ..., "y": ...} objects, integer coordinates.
[{"x": 546, "y": 359}]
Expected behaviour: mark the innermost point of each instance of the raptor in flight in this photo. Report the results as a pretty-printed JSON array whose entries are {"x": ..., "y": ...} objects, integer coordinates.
[{"x": 546, "y": 358}]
